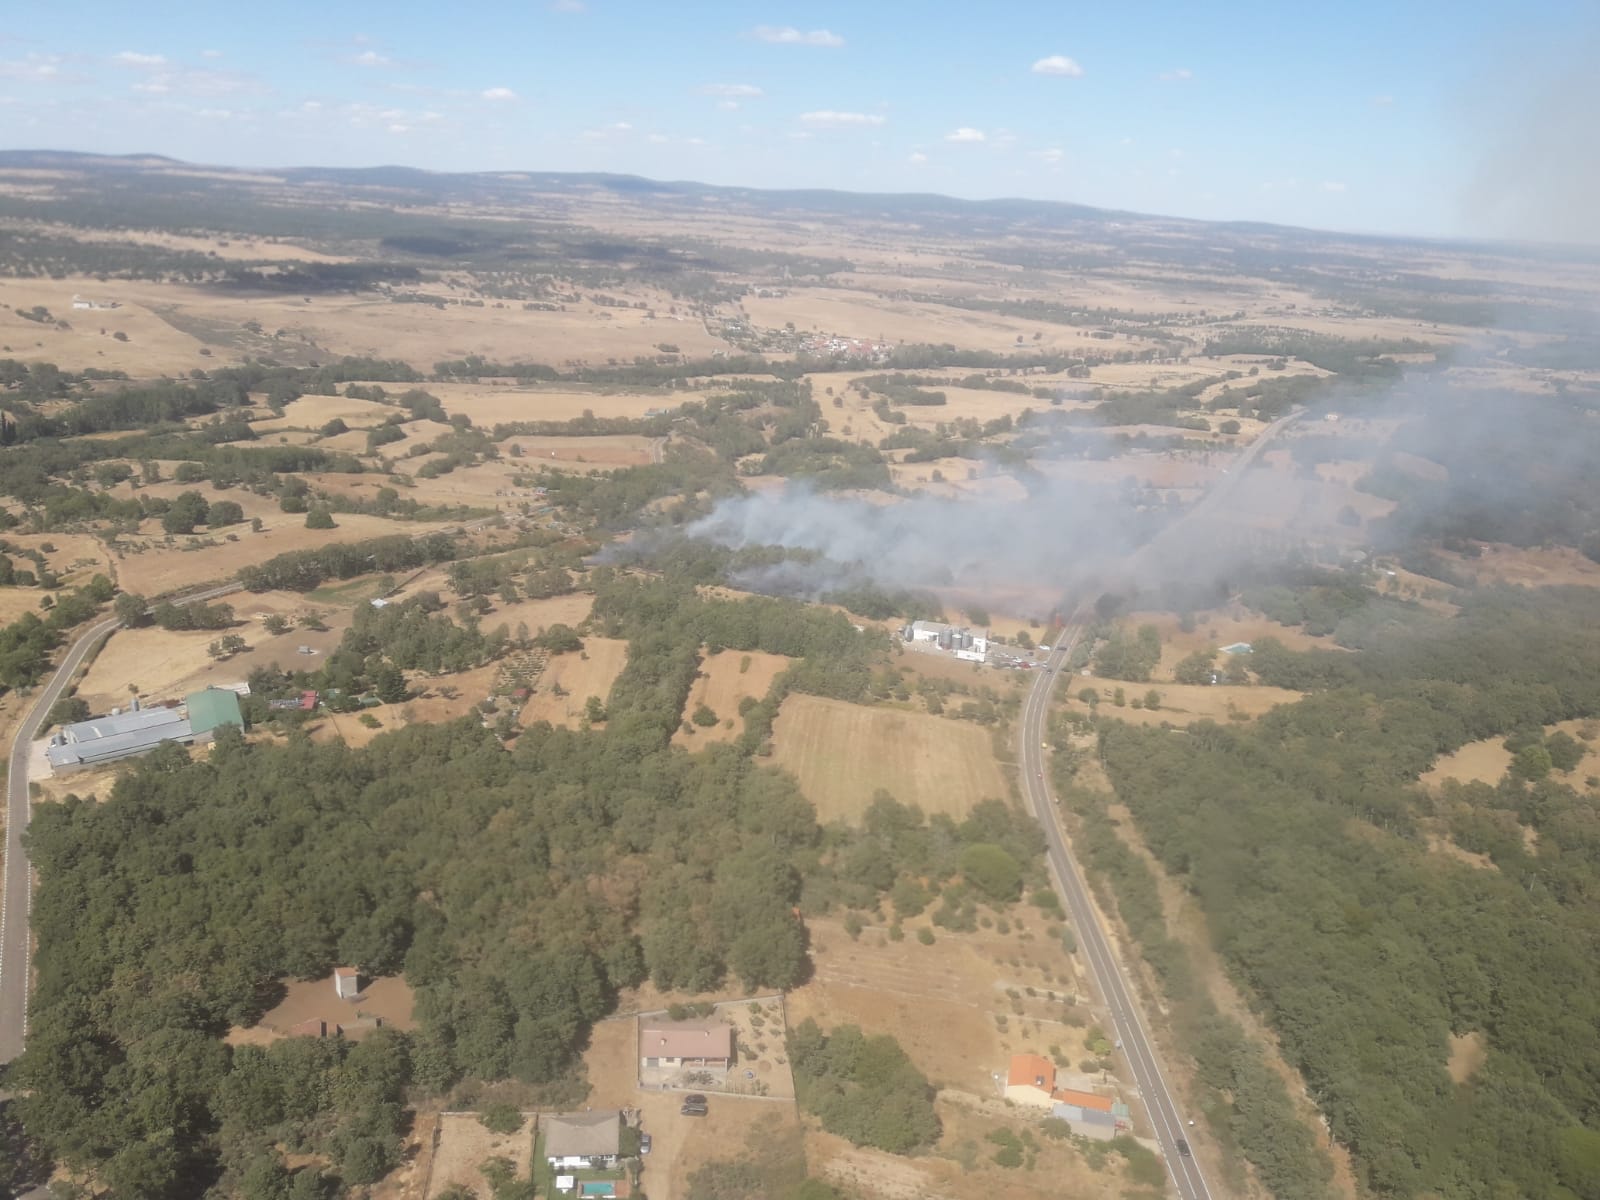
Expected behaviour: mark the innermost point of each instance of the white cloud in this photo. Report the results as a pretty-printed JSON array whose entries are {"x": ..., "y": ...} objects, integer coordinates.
[
  {"x": 132, "y": 58},
  {"x": 36, "y": 68},
  {"x": 917, "y": 159},
  {"x": 607, "y": 133},
  {"x": 657, "y": 139},
  {"x": 729, "y": 91},
  {"x": 197, "y": 82},
  {"x": 830, "y": 117},
  {"x": 497, "y": 94},
  {"x": 1382, "y": 101},
  {"x": 696, "y": 141},
  {"x": 1178, "y": 75},
  {"x": 371, "y": 58},
  {"x": 1050, "y": 157},
  {"x": 398, "y": 127},
  {"x": 568, "y": 6},
  {"x": 788, "y": 35},
  {"x": 1333, "y": 185},
  {"x": 211, "y": 54},
  {"x": 1058, "y": 64},
  {"x": 966, "y": 134}
]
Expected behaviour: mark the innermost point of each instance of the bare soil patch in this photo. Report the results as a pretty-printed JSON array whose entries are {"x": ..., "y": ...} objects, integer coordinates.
[
  {"x": 386, "y": 1001},
  {"x": 1468, "y": 1053},
  {"x": 725, "y": 679},
  {"x": 844, "y": 753}
]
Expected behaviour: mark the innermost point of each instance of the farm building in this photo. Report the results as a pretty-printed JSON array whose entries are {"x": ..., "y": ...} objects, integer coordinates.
[
  {"x": 960, "y": 641},
  {"x": 1089, "y": 1122},
  {"x": 124, "y": 734},
  {"x": 346, "y": 982},
  {"x": 693, "y": 1044},
  {"x": 582, "y": 1141},
  {"x": 1031, "y": 1080}
]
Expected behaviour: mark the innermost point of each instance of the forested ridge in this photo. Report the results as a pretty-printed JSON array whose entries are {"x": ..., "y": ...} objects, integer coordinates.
[{"x": 1304, "y": 839}]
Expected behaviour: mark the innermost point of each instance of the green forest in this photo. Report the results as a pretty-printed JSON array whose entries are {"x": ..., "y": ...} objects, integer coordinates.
[
  {"x": 1304, "y": 837},
  {"x": 517, "y": 891}
]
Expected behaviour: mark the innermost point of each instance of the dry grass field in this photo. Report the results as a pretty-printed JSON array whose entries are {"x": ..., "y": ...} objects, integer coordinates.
[
  {"x": 464, "y": 1145},
  {"x": 726, "y": 678},
  {"x": 152, "y": 564},
  {"x": 578, "y": 676},
  {"x": 165, "y": 663},
  {"x": 1181, "y": 704},
  {"x": 960, "y": 1008},
  {"x": 842, "y": 754},
  {"x": 1488, "y": 760}
]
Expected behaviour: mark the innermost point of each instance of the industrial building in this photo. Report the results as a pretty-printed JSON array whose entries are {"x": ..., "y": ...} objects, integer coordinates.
[
  {"x": 124, "y": 734},
  {"x": 962, "y": 642}
]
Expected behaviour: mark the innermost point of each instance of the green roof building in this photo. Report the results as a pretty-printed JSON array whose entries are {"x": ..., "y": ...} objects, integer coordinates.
[{"x": 211, "y": 709}]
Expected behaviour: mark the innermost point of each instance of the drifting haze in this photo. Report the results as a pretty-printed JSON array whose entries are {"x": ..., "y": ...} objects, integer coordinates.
[{"x": 1059, "y": 534}]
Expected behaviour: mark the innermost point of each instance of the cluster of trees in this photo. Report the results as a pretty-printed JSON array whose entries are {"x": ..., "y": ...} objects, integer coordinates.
[
  {"x": 862, "y": 1088},
  {"x": 26, "y": 643},
  {"x": 1304, "y": 838},
  {"x": 1131, "y": 659},
  {"x": 303, "y": 570}
]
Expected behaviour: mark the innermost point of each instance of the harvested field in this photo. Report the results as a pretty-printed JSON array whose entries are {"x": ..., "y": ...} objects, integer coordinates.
[
  {"x": 464, "y": 1144},
  {"x": 148, "y": 564},
  {"x": 726, "y": 678},
  {"x": 385, "y": 1001},
  {"x": 582, "y": 453},
  {"x": 496, "y": 404},
  {"x": 579, "y": 676},
  {"x": 313, "y": 412},
  {"x": 844, "y": 753}
]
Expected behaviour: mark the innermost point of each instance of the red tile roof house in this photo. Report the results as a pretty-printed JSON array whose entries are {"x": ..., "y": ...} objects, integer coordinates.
[
  {"x": 1032, "y": 1080},
  {"x": 699, "y": 1045}
]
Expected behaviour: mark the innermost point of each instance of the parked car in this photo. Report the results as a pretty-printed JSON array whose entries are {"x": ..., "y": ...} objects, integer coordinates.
[
  {"x": 694, "y": 1106},
  {"x": 644, "y": 1144}
]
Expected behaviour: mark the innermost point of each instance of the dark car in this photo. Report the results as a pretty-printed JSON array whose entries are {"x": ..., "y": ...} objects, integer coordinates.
[
  {"x": 1183, "y": 1148},
  {"x": 694, "y": 1106}
]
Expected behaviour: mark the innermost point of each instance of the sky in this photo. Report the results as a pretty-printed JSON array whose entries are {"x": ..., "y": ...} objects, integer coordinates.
[{"x": 1407, "y": 116}]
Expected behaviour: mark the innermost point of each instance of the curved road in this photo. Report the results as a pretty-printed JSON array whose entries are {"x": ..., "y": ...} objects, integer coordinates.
[
  {"x": 1111, "y": 981},
  {"x": 16, "y": 883}
]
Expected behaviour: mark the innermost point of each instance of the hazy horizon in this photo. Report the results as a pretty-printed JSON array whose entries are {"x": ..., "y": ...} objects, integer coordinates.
[{"x": 1415, "y": 120}]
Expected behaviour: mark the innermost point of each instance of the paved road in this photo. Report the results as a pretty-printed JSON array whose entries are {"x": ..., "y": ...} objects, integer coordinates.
[
  {"x": 1126, "y": 1016},
  {"x": 16, "y": 883},
  {"x": 1127, "y": 1021}
]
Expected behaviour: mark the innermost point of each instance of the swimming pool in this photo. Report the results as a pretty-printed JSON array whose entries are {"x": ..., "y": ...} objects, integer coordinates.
[{"x": 602, "y": 1187}]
